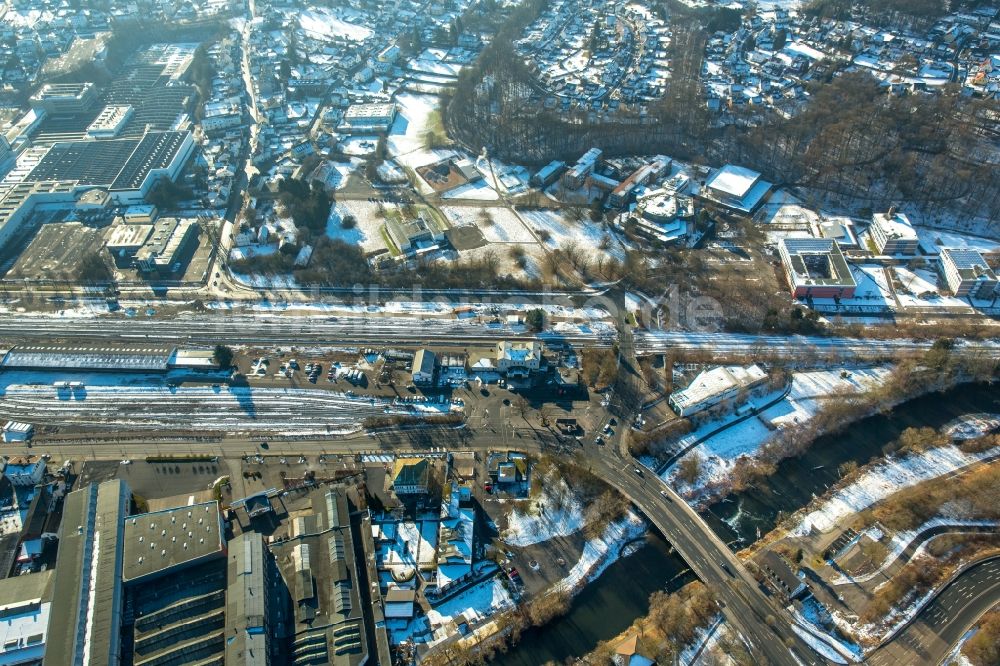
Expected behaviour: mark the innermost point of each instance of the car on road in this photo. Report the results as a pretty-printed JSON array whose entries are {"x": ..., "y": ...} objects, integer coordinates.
[
  {"x": 126, "y": 462},
  {"x": 264, "y": 445},
  {"x": 665, "y": 494},
  {"x": 637, "y": 471},
  {"x": 488, "y": 487}
]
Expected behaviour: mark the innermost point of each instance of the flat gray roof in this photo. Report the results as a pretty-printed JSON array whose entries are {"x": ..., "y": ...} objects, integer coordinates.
[
  {"x": 75, "y": 356},
  {"x": 159, "y": 541},
  {"x": 245, "y": 595},
  {"x": 86, "y": 593}
]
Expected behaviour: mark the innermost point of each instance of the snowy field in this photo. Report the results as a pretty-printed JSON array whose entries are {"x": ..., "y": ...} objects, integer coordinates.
[
  {"x": 501, "y": 225},
  {"x": 437, "y": 63},
  {"x": 406, "y": 140},
  {"x": 587, "y": 235},
  {"x": 368, "y": 231},
  {"x": 322, "y": 24},
  {"x": 883, "y": 480}
]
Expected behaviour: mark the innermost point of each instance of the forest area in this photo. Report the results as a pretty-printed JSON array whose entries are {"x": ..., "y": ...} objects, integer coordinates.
[{"x": 853, "y": 144}]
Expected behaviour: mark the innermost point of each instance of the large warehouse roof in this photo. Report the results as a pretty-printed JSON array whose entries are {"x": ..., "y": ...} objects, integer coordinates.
[
  {"x": 157, "y": 542},
  {"x": 89, "y": 357},
  {"x": 118, "y": 164}
]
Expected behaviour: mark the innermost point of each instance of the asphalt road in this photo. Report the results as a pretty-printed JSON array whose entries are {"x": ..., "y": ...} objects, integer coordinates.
[
  {"x": 759, "y": 619},
  {"x": 933, "y": 633}
]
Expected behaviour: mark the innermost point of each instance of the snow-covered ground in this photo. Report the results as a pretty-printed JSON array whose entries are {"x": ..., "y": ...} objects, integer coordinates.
[
  {"x": 587, "y": 235},
  {"x": 406, "y": 140},
  {"x": 884, "y": 479},
  {"x": 367, "y": 231},
  {"x": 601, "y": 552},
  {"x": 814, "y": 624},
  {"x": 321, "y": 23},
  {"x": 499, "y": 225},
  {"x": 933, "y": 240},
  {"x": 558, "y": 512},
  {"x": 971, "y": 426},
  {"x": 808, "y": 391},
  {"x": 474, "y": 604}
]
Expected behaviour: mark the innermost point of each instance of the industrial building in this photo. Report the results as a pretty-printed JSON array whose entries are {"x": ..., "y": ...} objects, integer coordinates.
[
  {"x": 24, "y": 471},
  {"x": 967, "y": 273},
  {"x": 60, "y": 99},
  {"x": 125, "y": 240},
  {"x": 407, "y": 234},
  {"x": 892, "y": 234},
  {"x": 249, "y": 597},
  {"x": 169, "y": 243},
  {"x": 81, "y": 357},
  {"x": 319, "y": 568},
  {"x": 174, "y": 573},
  {"x": 126, "y": 168},
  {"x": 716, "y": 386},
  {"x": 736, "y": 189},
  {"x": 87, "y": 602},
  {"x": 161, "y": 543},
  {"x": 110, "y": 121},
  {"x": 816, "y": 268}
]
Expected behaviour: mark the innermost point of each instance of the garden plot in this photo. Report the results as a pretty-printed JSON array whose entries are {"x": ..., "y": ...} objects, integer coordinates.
[{"x": 499, "y": 225}]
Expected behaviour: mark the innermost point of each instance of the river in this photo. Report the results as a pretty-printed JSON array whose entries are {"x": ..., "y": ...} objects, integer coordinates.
[
  {"x": 610, "y": 604},
  {"x": 604, "y": 608}
]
